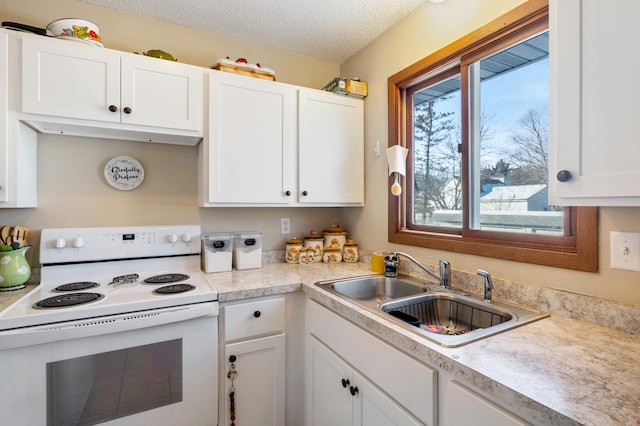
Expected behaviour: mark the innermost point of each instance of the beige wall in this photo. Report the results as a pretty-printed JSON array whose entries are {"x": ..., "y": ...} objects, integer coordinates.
[
  {"x": 428, "y": 29},
  {"x": 71, "y": 187},
  {"x": 132, "y": 33},
  {"x": 72, "y": 191}
]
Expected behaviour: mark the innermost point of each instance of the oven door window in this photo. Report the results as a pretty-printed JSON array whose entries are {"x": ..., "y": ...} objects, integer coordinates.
[{"x": 96, "y": 388}]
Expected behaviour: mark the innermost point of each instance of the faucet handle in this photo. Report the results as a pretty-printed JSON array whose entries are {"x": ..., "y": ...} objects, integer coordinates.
[
  {"x": 488, "y": 284},
  {"x": 445, "y": 271}
]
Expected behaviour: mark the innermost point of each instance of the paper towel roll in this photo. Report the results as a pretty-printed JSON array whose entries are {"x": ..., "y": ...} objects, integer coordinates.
[{"x": 397, "y": 159}]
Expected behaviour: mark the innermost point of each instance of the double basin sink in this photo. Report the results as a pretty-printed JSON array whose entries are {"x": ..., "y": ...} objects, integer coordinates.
[{"x": 446, "y": 317}]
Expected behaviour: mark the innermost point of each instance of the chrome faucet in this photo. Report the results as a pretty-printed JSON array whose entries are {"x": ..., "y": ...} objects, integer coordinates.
[
  {"x": 488, "y": 284},
  {"x": 445, "y": 268}
]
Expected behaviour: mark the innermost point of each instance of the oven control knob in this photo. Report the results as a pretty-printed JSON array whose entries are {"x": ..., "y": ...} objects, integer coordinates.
[
  {"x": 59, "y": 243},
  {"x": 78, "y": 242},
  {"x": 187, "y": 237},
  {"x": 173, "y": 238}
]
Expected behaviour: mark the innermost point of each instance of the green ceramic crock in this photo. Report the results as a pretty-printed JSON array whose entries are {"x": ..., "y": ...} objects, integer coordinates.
[{"x": 14, "y": 268}]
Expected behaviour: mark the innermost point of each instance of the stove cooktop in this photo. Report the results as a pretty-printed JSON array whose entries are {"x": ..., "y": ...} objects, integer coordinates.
[{"x": 112, "y": 286}]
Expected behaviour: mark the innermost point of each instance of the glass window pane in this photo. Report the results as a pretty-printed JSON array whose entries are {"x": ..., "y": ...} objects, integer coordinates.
[
  {"x": 513, "y": 141},
  {"x": 437, "y": 190}
]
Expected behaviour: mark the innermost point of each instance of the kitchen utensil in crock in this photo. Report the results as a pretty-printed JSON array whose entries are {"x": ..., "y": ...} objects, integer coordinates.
[
  {"x": 19, "y": 235},
  {"x": 5, "y": 234}
]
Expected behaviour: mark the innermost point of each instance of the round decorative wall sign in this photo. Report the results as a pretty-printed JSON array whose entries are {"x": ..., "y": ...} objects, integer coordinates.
[{"x": 124, "y": 173}]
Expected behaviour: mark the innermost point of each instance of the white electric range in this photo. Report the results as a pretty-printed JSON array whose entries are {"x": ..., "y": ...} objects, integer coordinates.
[{"x": 117, "y": 302}]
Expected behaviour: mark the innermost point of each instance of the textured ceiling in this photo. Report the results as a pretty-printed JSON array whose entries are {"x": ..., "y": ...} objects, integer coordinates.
[{"x": 329, "y": 30}]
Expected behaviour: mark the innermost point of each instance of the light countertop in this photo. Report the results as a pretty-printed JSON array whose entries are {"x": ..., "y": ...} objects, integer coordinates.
[{"x": 557, "y": 370}]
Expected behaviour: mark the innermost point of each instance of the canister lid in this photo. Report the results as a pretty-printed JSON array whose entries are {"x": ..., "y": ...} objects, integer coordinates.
[
  {"x": 334, "y": 229},
  {"x": 313, "y": 235},
  {"x": 294, "y": 240},
  {"x": 351, "y": 243}
]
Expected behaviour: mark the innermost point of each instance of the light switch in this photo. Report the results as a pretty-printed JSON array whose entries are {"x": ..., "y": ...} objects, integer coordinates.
[{"x": 625, "y": 250}]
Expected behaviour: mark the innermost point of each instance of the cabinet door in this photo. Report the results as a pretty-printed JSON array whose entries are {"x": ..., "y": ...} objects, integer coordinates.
[
  {"x": 4, "y": 110},
  {"x": 259, "y": 385},
  {"x": 593, "y": 133},
  {"x": 465, "y": 407},
  {"x": 252, "y": 137},
  {"x": 331, "y": 148},
  {"x": 67, "y": 79},
  {"x": 372, "y": 407},
  {"x": 329, "y": 402},
  {"x": 160, "y": 93}
]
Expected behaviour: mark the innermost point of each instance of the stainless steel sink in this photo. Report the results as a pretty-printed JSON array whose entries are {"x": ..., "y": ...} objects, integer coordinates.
[
  {"x": 375, "y": 288},
  {"x": 448, "y": 318}
]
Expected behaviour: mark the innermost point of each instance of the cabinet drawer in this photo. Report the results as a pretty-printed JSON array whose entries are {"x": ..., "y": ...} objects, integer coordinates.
[{"x": 246, "y": 320}]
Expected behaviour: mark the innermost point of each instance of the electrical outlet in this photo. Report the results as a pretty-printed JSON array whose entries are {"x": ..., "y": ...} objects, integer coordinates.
[
  {"x": 285, "y": 226},
  {"x": 625, "y": 250}
]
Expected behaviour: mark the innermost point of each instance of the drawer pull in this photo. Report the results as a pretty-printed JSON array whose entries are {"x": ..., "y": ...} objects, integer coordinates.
[{"x": 257, "y": 314}]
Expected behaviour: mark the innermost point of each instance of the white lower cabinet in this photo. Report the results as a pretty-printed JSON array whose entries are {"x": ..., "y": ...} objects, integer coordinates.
[
  {"x": 339, "y": 395},
  {"x": 466, "y": 407},
  {"x": 368, "y": 383},
  {"x": 254, "y": 357}
]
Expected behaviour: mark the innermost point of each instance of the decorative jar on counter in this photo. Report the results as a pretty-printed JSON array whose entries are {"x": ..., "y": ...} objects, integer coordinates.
[
  {"x": 350, "y": 252},
  {"x": 334, "y": 236},
  {"x": 14, "y": 269},
  {"x": 332, "y": 255},
  {"x": 306, "y": 256},
  {"x": 292, "y": 250},
  {"x": 315, "y": 241}
]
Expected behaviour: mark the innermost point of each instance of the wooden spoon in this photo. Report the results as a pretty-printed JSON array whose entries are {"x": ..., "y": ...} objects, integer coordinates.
[
  {"x": 5, "y": 234},
  {"x": 18, "y": 235}
]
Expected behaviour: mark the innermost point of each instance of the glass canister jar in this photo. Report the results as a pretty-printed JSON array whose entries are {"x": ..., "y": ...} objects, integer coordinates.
[
  {"x": 332, "y": 255},
  {"x": 292, "y": 250},
  {"x": 350, "y": 252},
  {"x": 334, "y": 236},
  {"x": 316, "y": 242}
]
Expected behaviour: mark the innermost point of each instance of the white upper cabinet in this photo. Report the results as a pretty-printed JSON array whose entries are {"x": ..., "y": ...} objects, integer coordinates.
[
  {"x": 330, "y": 148},
  {"x": 91, "y": 87},
  {"x": 274, "y": 144},
  {"x": 18, "y": 143},
  {"x": 594, "y": 149},
  {"x": 250, "y": 155}
]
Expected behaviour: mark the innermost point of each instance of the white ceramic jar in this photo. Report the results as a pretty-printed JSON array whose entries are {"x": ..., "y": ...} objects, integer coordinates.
[
  {"x": 350, "y": 252},
  {"x": 334, "y": 237},
  {"x": 315, "y": 241},
  {"x": 292, "y": 250}
]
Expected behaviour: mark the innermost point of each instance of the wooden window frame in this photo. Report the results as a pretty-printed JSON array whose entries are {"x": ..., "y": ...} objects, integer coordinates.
[{"x": 577, "y": 249}]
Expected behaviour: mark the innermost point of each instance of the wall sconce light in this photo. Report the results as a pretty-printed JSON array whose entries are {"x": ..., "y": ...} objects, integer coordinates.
[{"x": 397, "y": 159}]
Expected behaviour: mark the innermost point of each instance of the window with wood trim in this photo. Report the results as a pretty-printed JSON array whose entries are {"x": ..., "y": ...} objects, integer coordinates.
[{"x": 474, "y": 117}]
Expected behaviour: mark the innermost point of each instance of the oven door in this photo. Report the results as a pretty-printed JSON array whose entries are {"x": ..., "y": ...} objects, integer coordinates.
[{"x": 162, "y": 374}]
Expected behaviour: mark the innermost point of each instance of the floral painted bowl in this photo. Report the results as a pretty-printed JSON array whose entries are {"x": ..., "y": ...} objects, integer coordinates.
[{"x": 75, "y": 29}]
